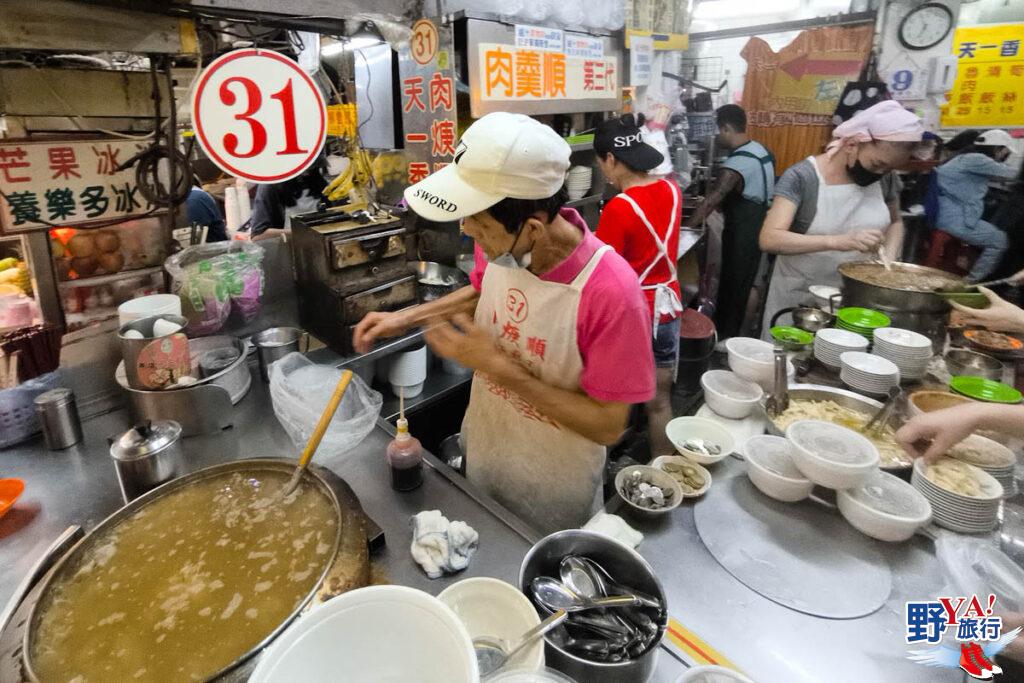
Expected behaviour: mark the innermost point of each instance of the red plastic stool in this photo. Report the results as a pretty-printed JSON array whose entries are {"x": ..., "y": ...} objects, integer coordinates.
[{"x": 950, "y": 254}]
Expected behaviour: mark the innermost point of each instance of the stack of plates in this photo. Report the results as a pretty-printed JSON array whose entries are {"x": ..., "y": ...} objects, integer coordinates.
[
  {"x": 990, "y": 456},
  {"x": 830, "y": 344},
  {"x": 868, "y": 373},
  {"x": 910, "y": 351},
  {"x": 955, "y": 511},
  {"x": 863, "y": 321},
  {"x": 578, "y": 182}
]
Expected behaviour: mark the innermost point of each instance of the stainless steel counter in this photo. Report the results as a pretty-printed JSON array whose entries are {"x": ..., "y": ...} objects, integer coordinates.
[
  {"x": 770, "y": 642},
  {"x": 78, "y": 486}
]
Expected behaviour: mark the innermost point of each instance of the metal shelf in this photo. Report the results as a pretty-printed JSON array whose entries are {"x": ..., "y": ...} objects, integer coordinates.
[{"x": 107, "y": 279}]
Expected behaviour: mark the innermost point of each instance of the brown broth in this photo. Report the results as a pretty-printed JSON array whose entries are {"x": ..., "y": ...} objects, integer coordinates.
[{"x": 188, "y": 584}]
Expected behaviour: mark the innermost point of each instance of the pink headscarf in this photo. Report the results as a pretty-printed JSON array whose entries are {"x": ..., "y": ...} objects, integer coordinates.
[{"x": 887, "y": 120}]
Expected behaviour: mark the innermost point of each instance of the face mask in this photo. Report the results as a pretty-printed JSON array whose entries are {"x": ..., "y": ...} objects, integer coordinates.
[
  {"x": 507, "y": 260},
  {"x": 863, "y": 176}
]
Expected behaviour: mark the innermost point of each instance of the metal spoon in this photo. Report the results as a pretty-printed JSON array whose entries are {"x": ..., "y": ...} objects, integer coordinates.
[
  {"x": 603, "y": 584},
  {"x": 579, "y": 575},
  {"x": 556, "y": 595},
  {"x": 494, "y": 653}
]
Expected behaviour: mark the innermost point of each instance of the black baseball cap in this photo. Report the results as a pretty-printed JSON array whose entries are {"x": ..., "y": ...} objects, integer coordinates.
[{"x": 623, "y": 139}]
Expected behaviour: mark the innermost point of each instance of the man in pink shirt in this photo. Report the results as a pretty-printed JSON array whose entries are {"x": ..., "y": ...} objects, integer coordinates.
[{"x": 549, "y": 324}]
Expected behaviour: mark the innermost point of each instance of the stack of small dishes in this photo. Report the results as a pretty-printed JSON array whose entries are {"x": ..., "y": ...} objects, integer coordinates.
[
  {"x": 578, "y": 181},
  {"x": 982, "y": 389},
  {"x": 863, "y": 321},
  {"x": 910, "y": 351},
  {"x": 963, "y": 497},
  {"x": 868, "y": 373},
  {"x": 830, "y": 344},
  {"x": 884, "y": 507},
  {"x": 831, "y": 456},
  {"x": 990, "y": 456}
]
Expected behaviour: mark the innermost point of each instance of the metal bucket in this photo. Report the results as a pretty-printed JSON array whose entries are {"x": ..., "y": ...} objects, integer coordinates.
[
  {"x": 924, "y": 312},
  {"x": 155, "y": 362},
  {"x": 68, "y": 564}
]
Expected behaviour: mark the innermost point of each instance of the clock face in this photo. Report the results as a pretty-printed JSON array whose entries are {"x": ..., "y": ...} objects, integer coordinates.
[{"x": 925, "y": 26}]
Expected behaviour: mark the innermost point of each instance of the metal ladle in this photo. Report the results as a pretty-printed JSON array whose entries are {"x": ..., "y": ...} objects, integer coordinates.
[
  {"x": 556, "y": 595},
  {"x": 494, "y": 653}
]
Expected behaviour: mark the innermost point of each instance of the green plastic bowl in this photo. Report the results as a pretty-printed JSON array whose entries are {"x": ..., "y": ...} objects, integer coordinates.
[
  {"x": 863, "y": 318},
  {"x": 792, "y": 338},
  {"x": 983, "y": 389}
]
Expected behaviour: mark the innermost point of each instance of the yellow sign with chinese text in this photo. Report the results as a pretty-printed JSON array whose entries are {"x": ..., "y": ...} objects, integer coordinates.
[
  {"x": 510, "y": 73},
  {"x": 989, "y": 87}
]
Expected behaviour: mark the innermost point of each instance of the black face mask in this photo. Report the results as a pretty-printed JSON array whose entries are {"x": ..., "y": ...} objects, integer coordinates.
[{"x": 863, "y": 176}]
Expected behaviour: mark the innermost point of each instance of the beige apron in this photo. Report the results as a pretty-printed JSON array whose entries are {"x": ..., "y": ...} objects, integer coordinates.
[
  {"x": 666, "y": 301},
  {"x": 545, "y": 473},
  {"x": 841, "y": 209}
]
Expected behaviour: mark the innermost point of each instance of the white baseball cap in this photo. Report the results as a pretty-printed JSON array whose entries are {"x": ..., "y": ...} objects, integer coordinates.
[
  {"x": 998, "y": 138},
  {"x": 501, "y": 155}
]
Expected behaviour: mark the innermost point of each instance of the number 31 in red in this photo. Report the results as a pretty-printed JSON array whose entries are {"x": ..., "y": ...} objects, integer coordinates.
[{"x": 257, "y": 129}]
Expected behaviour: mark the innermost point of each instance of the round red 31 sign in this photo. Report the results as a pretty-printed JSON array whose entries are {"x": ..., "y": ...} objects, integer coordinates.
[{"x": 259, "y": 116}]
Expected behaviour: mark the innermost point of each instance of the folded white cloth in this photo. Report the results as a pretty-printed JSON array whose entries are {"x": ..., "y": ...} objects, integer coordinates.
[
  {"x": 439, "y": 546},
  {"x": 614, "y": 527}
]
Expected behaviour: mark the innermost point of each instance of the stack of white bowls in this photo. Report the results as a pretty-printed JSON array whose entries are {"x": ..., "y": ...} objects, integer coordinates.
[
  {"x": 999, "y": 460},
  {"x": 578, "y": 181},
  {"x": 868, "y": 373},
  {"x": 830, "y": 343},
  {"x": 955, "y": 511},
  {"x": 910, "y": 351}
]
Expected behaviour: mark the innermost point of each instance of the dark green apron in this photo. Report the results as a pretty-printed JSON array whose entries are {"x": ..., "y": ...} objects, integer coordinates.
[{"x": 741, "y": 255}]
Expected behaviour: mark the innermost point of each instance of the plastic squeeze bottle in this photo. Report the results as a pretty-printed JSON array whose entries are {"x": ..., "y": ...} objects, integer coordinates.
[{"x": 405, "y": 457}]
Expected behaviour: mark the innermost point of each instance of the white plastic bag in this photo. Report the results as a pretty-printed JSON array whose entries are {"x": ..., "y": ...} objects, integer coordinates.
[
  {"x": 974, "y": 566},
  {"x": 300, "y": 390}
]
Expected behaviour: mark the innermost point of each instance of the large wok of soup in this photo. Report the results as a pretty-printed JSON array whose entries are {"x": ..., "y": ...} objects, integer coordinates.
[{"x": 188, "y": 581}]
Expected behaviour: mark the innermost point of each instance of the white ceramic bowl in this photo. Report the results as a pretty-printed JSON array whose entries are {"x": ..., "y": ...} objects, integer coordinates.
[
  {"x": 682, "y": 429},
  {"x": 885, "y": 507},
  {"x": 830, "y": 455},
  {"x": 712, "y": 673},
  {"x": 729, "y": 395},
  {"x": 379, "y": 633},
  {"x": 651, "y": 475},
  {"x": 662, "y": 460},
  {"x": 771, "y": 469},
  {"x": 491, "y": 607},
  {"x": 823, "y": 296},
  {"x": 754, "y": 360}
]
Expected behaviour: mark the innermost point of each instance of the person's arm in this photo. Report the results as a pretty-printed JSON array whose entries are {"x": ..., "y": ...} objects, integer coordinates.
[
  {"x": 894, "y": 234},
  {"x": 1001, "y": 315},
  {"x": 728, "y": 181},
  {"x": 943, "y": 429},
  {"x": 462, "y": 341},
  {"x": 777, "y": 238},
  {"x": 380, "y": 325}
]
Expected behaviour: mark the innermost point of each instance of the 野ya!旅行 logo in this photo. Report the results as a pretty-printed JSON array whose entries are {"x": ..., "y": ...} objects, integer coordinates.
[{"x": 972, "y": 626}]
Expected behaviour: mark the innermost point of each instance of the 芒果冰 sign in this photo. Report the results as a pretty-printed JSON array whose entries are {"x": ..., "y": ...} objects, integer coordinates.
[
  {"x": 67, "y": 182},
  {"x": 989, "y": 87},
  {"x": 259, "y": 116},
  {"x": 511, "y": 73}
]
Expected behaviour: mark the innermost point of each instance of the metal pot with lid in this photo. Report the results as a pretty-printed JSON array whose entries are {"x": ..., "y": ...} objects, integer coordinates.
[{"x": 147, "y": 455}]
